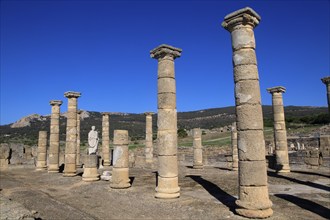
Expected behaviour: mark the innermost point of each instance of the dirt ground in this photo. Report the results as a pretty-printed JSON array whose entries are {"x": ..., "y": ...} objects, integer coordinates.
[{"x": 205, "y": 194}]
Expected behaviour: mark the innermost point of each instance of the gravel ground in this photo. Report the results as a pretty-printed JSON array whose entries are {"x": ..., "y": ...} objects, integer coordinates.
[{"x": 205, "y": 194}]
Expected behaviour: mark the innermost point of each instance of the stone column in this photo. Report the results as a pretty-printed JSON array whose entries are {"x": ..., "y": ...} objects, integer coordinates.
[
  {"x": 326, "y": 81},
  {"x": 120, "y": 172},
  {"x": 281, "y": 143},
  {"x": 90, "y": 168},
  {"x": 168, "y": 184},
  {"x": 78, "y": 164},
  {"x": 234, "y": 149},
  {"x": 148, "y": 145},
  {"x": 71, "y": 134},
  {"x": 42, "y": 151},
  {"x": 198, "y": 148},
  {"x": 253, "y": 200},
  {"x": 54, "y": 138},
  {"x": 105, "y": 138}
]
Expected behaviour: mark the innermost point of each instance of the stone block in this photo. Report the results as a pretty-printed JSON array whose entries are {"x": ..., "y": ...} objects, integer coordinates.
[
  {"x": 252, "y": 173},
  {"x": 249, "y": 117},
  {"x": 120, "y": 156},
  {"x": 166, "y": 100},
  {"x": 167, "y": 142},
  {"x": 167, "y": 119},
  {"x": 120, "y": 178},
  {"x": 242, "y": 38},
  {"x": 251, "y": 145},
  {"x": 120, "y": 137},
  {"x": 244, "y": 57},
  {"x": 90, "y": 174},
  {"x": 254, "y": 197},
  {"x": 166, "y": 85},
  {"x": 246, "y": 72},
  {"x": 167, "y": 187},
  {"x": 168, "y": 166},
  {"x": 166, "y": 69},
  {"x": 247, "y": 92}
]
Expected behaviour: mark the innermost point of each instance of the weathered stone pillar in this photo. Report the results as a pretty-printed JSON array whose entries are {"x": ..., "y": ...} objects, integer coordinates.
[
  {"x": 71, "y": 134},
  {"x": 281, "y": 143},
  {"x": 90, "y": 168},
  {"x": 42, "y": 151},
  {"x": 253, "y": 200},
  {"x": 4, "y": 156},
  {"x": 105, "y": 138},
  {"x": 198, "y": 148},
  {"x": 54, "y": 138},
  {"x": 78, "y": 164},
  {"x": 168, "y": 185},
  {"x": 326, "y": 81},
  {"x": 234, "y": 149},
  {"x": 120, "y": 172},
  {"x": 148, "y": 145}
]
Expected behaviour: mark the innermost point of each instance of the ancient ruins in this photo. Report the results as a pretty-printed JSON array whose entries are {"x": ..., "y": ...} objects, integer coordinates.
[{"x": 194, "y": 182}]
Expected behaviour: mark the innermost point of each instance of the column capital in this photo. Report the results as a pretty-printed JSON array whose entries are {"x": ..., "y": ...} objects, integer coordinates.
[
  {"x": 276, "y": 89},
  {"x": 326, "y": 80},
  {"x": 244, "y": 16},
  {"x": 56, "y": 102},
  {"x": 165, "y": 50},
  {"x": 71, "y": 94},
  {"x": 105, "y": 113},
  {"x": 149, "y": 113}
]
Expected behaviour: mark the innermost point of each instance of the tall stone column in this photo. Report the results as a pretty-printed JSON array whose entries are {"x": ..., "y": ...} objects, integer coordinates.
[
  {"x": 281, "y": 143},
  {"x": 148, "y": 145},
  {"x": 120, "y": 172},
  {"x": 234, "y": 149},
  {"x": 42, "y": 151},
  {"x": 168, "y": 184},
  {"x": 198, "y": 148},
  {"x": 326, "y": 81},
  {"x": 78, "y": 164},
  {"x": 71, "y": 134},
  {"x": 253, "y": 200},
  {"x": 54, "y": 138},
  {"x": 105, "y": 138}
]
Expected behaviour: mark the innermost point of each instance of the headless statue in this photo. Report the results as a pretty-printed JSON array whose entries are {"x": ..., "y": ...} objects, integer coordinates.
[{"x": 93, "y": 141}]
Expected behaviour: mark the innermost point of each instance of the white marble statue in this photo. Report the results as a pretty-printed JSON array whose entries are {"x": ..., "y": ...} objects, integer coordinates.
[{"x": 93, "y": 141}]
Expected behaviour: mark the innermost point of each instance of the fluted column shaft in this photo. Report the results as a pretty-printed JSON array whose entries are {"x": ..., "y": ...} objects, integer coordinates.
[
  {"x": 281, "y": 144},
  {"x": 253, "y": 200},
  {"x": 42, "y": 151},
  {"x": 168, "y": 186},
  {"x": 234, "y": 149},
  {"x": 198, "y": 148},
  {"x": 54, "y": 138},
  {"x": 105, "y": 138},
  {"x": 71, "y": 135},
  {"x": 148, "y": 142}
]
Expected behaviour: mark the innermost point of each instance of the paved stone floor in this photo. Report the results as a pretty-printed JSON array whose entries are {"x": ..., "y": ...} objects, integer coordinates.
[{"x": 205, "y": 194}]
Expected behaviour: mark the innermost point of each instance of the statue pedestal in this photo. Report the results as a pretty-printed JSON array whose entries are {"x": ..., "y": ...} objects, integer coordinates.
[{"x": 90, "y": 168}]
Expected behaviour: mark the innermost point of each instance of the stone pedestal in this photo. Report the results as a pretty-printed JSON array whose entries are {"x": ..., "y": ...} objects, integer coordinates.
[
  {"x": 281, "y": 144},
  {"x": 71, "y": 135},
  {"x": 198, "y": 148},
  {"x": 253, "y": 200},
  {"x": 234, "y": 150},
  {"x": 4, "y": 156},
  {"x": 90, "y": 168},
  {"x": 78, "y": 163},
  {"x": 105, "y": 139},
  {"x": 148, "y": 144},
  {"x": 42, "y": 151},
  {"x": 326, "y": 81},
  {"x": 54, "y": 138},
  {"x": 168, "y": 186},
  {"x": 120, "y": 172}
]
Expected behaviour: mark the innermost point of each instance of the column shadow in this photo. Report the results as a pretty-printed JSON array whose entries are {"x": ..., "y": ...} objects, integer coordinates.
[
  {"x": 225, "y": 198},
  {"x": 310, "y": 173},
  {"x": 307, "y": 183},
  {"x": 307, "y": 205}
]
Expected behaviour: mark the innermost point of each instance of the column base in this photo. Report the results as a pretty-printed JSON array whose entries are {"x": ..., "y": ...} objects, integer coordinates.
[
  {"x": 106, "y": 163},
  {"x": 198, "y": 167},
  {"x": 120, "y": 178},
  {"x": 41, "y": 168},
  {"x": 90, "y": 174},
  {"x": 160, "y": 195},
  {"x": 53, "y": 168},
  {"x": 283, "y": 168},
  {"x": 265, "y": 213},
  {"x": 69, "y": 174}
]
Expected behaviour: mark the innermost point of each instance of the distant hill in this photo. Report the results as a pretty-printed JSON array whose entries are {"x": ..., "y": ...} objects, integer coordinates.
[{"x": 26, "y": 129}]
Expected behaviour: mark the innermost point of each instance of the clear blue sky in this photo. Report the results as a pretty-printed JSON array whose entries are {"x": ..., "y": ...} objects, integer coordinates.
[{"x": 101, "y": 48}]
